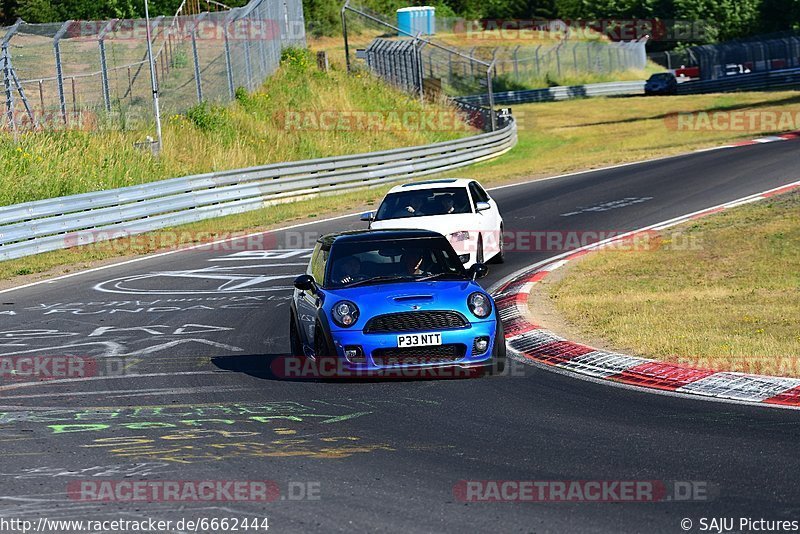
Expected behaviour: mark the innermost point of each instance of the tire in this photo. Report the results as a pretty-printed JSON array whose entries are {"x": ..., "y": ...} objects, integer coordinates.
[
  {"x": 320, "y": 344},
  {"x": 500, "y": 257},
  {"x": 295, "y": 345},
  {"x": 479, "y": 253},
  {"x": 498, "y": 351}
]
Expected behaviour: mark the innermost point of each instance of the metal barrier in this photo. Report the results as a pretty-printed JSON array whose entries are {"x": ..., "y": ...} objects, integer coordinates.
[
  {"x": 550, "y": 94},
  {"x": 58, "y": 223},
  {"x": 743, "y": 82}
]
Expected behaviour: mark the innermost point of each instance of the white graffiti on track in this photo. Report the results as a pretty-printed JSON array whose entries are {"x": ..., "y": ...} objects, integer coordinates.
[
  {"x": 210, "y": 280},
  {"x": 142, "y": 469},
  {"x": 160, "y": 306},
  {"x": 280, "y": 254}
]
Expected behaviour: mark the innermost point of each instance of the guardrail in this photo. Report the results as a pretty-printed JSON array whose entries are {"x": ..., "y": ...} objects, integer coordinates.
[
  {"x": 562, "y": 92},
  {"x": 63, "y": 222},
  {"x": 743, "y": 82}
]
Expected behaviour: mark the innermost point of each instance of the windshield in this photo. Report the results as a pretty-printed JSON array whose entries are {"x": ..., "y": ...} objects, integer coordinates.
[
  {"x": 359, "y": 263},
  {"x": 404, "y": 204},
  {"x": 660, "y": 77}
]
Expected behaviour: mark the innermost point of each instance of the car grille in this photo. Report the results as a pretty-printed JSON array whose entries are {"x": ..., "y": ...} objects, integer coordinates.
[
  {"x": 418, "y": 355},
  {"x": 420, "y": 321}
]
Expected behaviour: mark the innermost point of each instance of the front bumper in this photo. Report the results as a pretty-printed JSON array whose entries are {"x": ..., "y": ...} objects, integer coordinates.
[{"x": 373, "y": 344}]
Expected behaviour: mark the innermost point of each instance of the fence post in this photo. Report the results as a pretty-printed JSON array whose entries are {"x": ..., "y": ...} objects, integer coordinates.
[
  {"x": 344, "y": 35},
  {"x": 8, "y": 75},
  {"x": 9, "y": 91},
  {"x": 558, "y": 60},
  {"x": 516, "y": 62},
  {"x": 489, "y": 76},
  {"x": 421, "y": 74},
  {"x": 228, "y": 65},
  {"x": 196, "y": 57},
  {"x": 536, "y": 54},
  {"x": 472, "y": 63},
  {"x": 101, "y": 41},
  {"x": 59, "y": 69}
]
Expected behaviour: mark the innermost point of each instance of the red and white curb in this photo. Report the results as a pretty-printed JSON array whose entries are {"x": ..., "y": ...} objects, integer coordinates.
[
  {"x": 528, "y": 341},
  {"x": 758, "y": 141}
]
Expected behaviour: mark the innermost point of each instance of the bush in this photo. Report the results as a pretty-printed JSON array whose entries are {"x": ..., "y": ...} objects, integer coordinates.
[
  {"x": 207, "y": 117},
  {"x": 298, "y": 58}
]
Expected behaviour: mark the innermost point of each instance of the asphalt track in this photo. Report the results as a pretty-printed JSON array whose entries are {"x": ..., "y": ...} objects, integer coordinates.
[{"x": 182, "y": 344}]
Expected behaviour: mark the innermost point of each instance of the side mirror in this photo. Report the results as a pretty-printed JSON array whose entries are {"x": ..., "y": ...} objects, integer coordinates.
[
  {"x": 478, "y": 270},
  {"x": 368, "y": 216},
  {"x": 305, "y": 282},
  {"x": 482, "y": 206}
]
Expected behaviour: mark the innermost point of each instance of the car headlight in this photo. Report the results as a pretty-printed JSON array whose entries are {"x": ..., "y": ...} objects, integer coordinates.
[
  {"x": 455, "y": 237},
  {"x": 344, "y": 313},
  {"x": 480, "y": 305}
]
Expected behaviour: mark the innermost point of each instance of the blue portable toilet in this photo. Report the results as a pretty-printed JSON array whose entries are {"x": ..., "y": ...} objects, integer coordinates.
[
  {"x": 431, "y": 29},
  {"x": 404, "y": 21},
  {"x": 417, "y": 20},
  {"x": 414, "y": 20}
]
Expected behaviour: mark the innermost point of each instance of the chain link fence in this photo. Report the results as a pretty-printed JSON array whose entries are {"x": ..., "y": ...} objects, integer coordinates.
[
  {"x": 758, "y": 54},
  {"x": 82, "y": 74},
  {"x": 425, "y": 65},
  {"x": 767, "y": 53}
]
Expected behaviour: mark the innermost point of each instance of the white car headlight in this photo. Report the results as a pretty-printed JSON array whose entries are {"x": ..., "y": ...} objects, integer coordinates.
[{"x": 455, "y": 237}]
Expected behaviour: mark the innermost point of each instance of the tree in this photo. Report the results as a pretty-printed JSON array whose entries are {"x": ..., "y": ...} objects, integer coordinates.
[
  {"x": 725, "y": 19},
  {"x": 36, "y": 11}
]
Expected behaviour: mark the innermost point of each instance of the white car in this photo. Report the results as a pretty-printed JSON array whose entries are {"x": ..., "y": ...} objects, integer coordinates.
[{"x": 459, "y": 209}]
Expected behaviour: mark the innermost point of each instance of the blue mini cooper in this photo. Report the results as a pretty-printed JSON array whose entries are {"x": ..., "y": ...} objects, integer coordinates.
[{"x": 383, "y": 299}]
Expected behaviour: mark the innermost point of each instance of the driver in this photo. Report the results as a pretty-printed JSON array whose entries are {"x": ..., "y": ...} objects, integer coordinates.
[
  {"x": 412, "y": 261},
  {"x": 349, "y": 269},
  {"x": 448, "y": 204}
]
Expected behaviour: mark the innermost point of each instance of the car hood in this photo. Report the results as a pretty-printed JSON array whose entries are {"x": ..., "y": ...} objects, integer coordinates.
[
  {"x": 379, "y": 299},
  {"x": 443, "y": 224}
]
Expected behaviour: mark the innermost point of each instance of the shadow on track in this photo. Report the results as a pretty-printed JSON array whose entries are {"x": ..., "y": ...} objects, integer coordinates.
[{"x": 287, "y": 368}]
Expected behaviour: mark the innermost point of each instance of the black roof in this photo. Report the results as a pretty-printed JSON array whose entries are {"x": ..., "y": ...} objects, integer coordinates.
[{"x": 356, "y": 236}]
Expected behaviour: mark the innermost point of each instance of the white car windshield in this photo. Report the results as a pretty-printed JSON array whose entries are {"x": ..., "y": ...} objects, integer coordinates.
[{"x": 443, "y": 201}]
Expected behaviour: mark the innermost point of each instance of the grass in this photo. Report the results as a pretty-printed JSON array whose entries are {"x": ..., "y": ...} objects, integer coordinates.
[
  {"x": 721, "y": 293},
  {"x": 208, "y": 138}
]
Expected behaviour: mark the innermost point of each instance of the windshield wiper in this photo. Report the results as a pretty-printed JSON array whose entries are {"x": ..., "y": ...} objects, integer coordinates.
[
  {"x": 437, "y": 275},
  {"x": 375, "y": 279}
]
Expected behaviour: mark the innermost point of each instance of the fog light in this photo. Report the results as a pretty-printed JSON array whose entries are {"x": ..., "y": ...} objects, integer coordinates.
[
  {"x": 354, "y": 354},
  {"x": 481, "y": 345}
]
